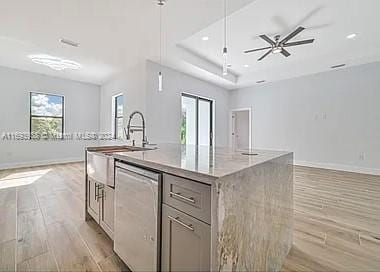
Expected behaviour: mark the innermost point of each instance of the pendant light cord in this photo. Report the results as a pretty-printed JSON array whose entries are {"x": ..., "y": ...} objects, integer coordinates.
[
  {"x": 161, "y": 33},
  {"x": 225, "y": 23},
  {"x": 225, "y": 50}
]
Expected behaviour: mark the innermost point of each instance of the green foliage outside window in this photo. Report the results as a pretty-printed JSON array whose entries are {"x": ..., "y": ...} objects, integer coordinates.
[
  {"x": 46, "y": 116},
  {"x": 183, "y": 127}
]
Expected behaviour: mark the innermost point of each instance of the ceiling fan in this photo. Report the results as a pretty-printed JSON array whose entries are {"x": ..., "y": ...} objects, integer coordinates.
[{"x": 279, "y": 46}]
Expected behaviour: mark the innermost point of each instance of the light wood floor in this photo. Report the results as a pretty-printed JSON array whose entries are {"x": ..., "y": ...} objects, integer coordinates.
[
  {"x": 42, "y": 227},
  {"x": 337, "y": 221}
]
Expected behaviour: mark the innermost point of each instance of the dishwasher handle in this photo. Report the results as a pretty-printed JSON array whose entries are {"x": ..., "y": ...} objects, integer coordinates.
[{"x": 138, "y": 171}]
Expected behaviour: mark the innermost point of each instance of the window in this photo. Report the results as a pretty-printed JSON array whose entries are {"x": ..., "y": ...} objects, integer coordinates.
[
  {"x": 46, "y": 116},
  {"x": 197, "y": 120},
  {"x": 118, "y": 116}
]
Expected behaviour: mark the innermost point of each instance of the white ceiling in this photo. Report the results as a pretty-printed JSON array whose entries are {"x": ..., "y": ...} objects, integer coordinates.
[
  {"x": 116, "y": 34},
  {"x": 329, "y": 22},
  {"x": 113, "y": 34}
]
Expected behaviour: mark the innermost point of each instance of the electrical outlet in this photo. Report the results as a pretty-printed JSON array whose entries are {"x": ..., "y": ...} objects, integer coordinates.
[
  {"x": 362, "y": 156},
  {"x": 324, "y": 116}
]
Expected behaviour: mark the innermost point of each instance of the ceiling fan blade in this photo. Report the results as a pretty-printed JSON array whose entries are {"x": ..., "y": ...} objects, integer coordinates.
[
  {"x": 298, "y": 43},
  {"x": 267, "y": 39},
  {"x": 258, "y": 49},
  {"x": 285, "y": 53},
  {"x": 293, "y": 34},
  {"x": 265, "y": 55}
]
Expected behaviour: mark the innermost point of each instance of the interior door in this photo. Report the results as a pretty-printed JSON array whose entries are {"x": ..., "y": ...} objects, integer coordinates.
[{"x": 240, "y": 130}]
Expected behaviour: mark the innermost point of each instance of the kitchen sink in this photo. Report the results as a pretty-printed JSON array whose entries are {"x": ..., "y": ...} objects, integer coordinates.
[
  {"x": 110, "y": 150},
  {"x": 100, "y": 163}
]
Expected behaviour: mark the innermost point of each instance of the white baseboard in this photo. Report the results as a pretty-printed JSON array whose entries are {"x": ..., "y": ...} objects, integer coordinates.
[
  {"x": 340, "y": 167},
  {"x": 38, "y": 163}
]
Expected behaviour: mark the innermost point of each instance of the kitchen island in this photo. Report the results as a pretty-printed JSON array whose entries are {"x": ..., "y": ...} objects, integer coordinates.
[{"x": 216, "y": 209}]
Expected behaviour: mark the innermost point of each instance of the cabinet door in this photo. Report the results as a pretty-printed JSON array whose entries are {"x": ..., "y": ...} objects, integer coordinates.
[
  {"x": 185, "y": 242},
  {"x": 107, "y": 210},
  {"x": 92, "y": 199}
]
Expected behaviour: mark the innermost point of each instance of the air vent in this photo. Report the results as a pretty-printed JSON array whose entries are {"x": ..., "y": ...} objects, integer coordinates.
[
  {"x": 69, "y": 42},
  {"x": 249, "y": 154},
  {"x": 338, "y": 66}
]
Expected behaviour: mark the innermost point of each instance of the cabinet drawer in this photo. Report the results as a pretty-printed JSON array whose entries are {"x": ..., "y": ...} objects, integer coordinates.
[{"x": 189, "y": 196}]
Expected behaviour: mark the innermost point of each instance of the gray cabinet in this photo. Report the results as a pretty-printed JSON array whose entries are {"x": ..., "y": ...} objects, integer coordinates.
[
  {"x": 188, "y": 196},
  {"x": 93, "y": 207},
  {"x": 100, "y": 205},
  {"x": 107, "y": 210},
  {"x": 185, "y": 242}
]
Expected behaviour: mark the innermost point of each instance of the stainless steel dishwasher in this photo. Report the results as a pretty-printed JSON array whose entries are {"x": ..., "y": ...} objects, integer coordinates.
[{"x": 137, "y": 211}]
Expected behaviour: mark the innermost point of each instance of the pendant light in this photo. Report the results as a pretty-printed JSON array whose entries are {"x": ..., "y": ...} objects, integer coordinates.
[
  {"x": 160, "y": 4},
  {"x": 225, "y": 51}
]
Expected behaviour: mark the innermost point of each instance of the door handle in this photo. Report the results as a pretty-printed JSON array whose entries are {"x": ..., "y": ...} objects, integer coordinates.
[
  {"x": 179, "y": 195},
  {"x": 97, "y": 194},
  {"x": 100, "y": 195},
  {"x": 176, "y": 219}
]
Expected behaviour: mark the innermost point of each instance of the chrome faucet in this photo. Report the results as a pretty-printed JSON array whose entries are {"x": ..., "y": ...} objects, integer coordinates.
[{"x": 131, "y": 129}]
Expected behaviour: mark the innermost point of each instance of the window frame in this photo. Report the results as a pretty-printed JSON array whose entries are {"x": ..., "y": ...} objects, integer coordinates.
[
  {"x": 197, "y": 99},
  {"x": 115, "y": 115},
  {"x": 31, "y": 116}
]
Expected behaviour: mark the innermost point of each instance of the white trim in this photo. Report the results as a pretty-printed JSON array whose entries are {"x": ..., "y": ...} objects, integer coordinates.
[
  {"x": 213, "y": 112},
  {"x": 6, "y": 166},
  {"x": 340, "y": 167},
  {"x": 250, "y": 124},
  {"x": 113, "y": 111},
  {"x": 51, "y": 94}
]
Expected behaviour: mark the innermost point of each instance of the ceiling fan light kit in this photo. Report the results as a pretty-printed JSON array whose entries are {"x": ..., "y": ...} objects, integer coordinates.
[
  {"x": 277, "y": 50},
  {"x": 277, "y": 46}
]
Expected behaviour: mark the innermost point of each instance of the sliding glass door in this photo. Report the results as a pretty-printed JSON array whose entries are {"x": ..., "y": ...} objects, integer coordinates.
[{"x": 196, "y": 123}]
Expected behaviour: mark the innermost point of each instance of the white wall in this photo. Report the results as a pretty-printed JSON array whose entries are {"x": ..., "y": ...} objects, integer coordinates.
[
  {"x": 81, "y": 115},
  {"x": 329, "y": 119},
  {"x": 131, "y": 83},
  {"x": 164, "y": 108}
]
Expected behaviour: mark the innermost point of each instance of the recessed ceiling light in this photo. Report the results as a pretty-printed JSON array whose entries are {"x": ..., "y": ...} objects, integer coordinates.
[
  {"x": 69, "y": 42},
  {"x": 205, "y": 38},
  {"x": 246, "y": 65},
  {"x": 351, "y": 36},
  {"x": 260, "y": 81},
  {"x": 338, "y": 66},
  {"x": 55, "y": 63}
]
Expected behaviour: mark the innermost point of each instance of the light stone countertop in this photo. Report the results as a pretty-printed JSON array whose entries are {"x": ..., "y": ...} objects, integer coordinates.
[
  {"x": 198, "y": 162},
  {"x": 251, "y": 199}
]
